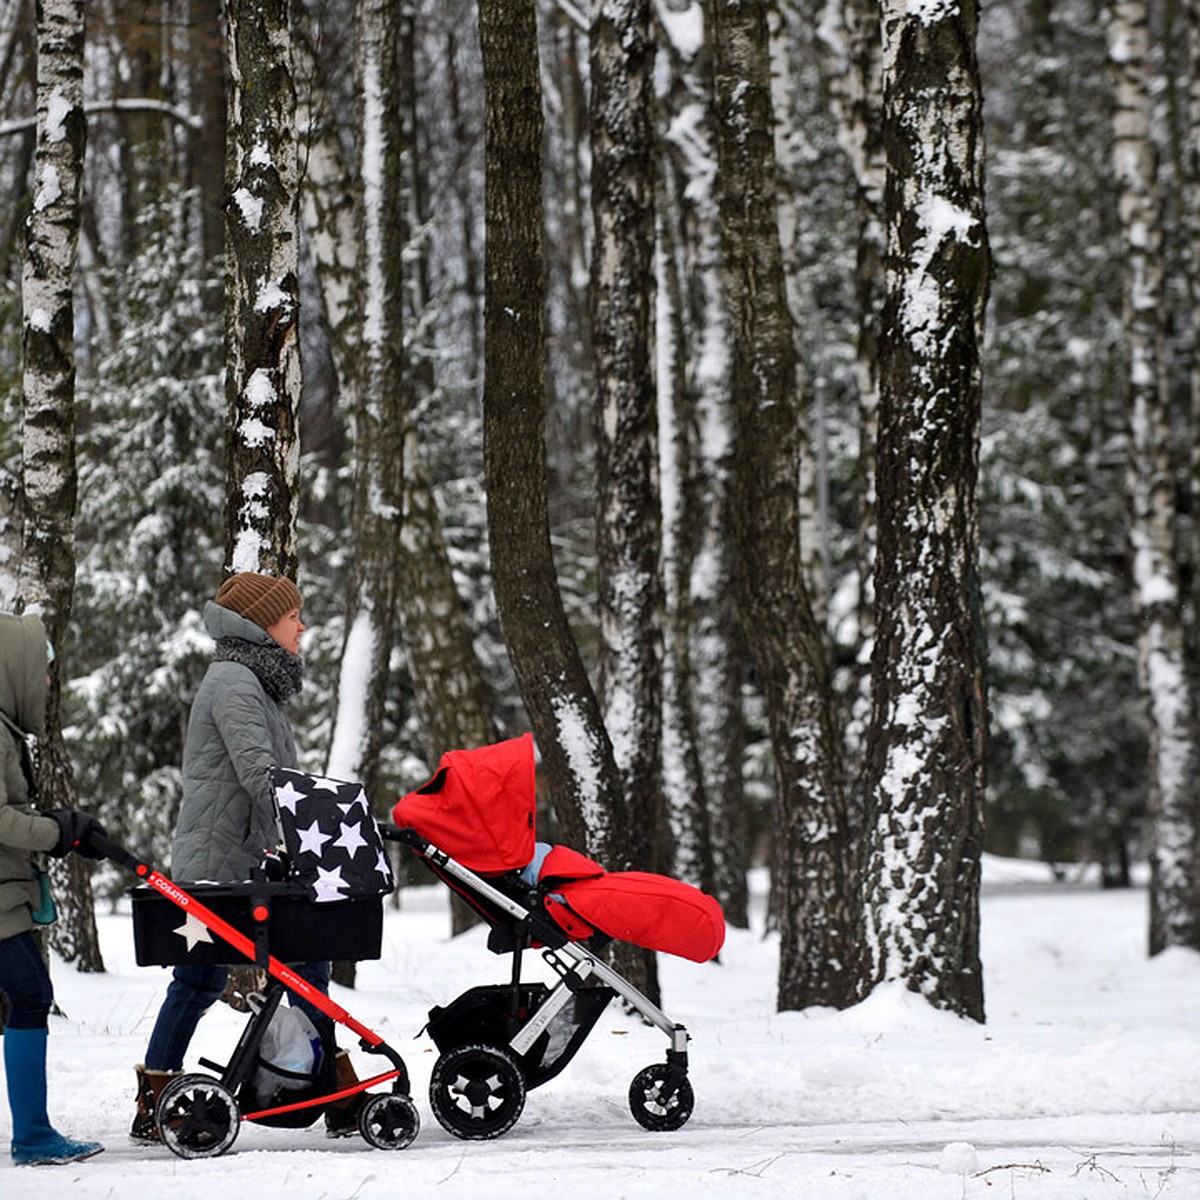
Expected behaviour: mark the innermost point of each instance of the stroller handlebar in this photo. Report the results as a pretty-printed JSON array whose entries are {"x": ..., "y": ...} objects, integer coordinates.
[{"x": 103, "y": 846}]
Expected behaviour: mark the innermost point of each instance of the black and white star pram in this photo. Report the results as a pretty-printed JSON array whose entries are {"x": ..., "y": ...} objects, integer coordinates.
[{"x": 321, "y": 899}]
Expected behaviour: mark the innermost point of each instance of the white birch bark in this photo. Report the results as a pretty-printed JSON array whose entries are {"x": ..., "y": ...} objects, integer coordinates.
[
  {"x": 627, "y": 523},
  {"x": 46, "y": 578},
  {"x": 1171, "y": 801},
  {"x": 262, "y": 344},
  {"x": 702, "y": 751}
]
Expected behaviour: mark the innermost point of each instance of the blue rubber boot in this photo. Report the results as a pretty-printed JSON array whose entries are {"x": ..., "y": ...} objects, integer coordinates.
[{"x": 35, "y": 1142}]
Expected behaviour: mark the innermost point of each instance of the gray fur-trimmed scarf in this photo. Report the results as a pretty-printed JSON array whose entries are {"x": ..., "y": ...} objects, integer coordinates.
[{"x": 280, "y": 673}]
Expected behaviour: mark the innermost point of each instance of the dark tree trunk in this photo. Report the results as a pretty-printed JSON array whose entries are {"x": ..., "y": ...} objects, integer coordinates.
[
  {"x": 816, "y": 885},
  {"x": 926, "y": 743},
  {"x": 577, "y": 754}
]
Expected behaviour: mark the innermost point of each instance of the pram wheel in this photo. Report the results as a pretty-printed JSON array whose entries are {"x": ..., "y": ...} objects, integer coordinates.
[
  {"x": 197, "y": 1117},
  {"x": 658, "y": 1102},
  {"x": 389, "y": 1122},
  {"x": 477, "y": 1092}
]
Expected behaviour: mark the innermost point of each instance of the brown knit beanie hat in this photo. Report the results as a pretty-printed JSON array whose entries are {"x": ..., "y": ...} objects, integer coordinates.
[{"x": 262, "y": 599}]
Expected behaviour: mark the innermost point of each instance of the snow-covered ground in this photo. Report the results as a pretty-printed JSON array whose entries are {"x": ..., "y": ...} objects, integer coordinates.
[{"x": 1084, "y": 1083}]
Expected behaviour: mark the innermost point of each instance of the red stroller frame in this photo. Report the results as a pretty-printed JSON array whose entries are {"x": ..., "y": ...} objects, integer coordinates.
[{"x": 199, "y": 1116}]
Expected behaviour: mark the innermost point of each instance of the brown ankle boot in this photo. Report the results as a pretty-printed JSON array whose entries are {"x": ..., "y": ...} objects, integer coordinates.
[
  {"x": 150, "y": 1086},
  {"x": 341, "y": 1116}
]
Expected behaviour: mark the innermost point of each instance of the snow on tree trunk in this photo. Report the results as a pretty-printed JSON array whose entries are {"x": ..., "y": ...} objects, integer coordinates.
[
  {"x": 576, "y": 751},
  {"x": 815, "y": 885},
  {"x": 1171, "y": 802},
  {"x": 628, "y": 538},
  {"x": 451, "y": 694},
  {"x": 851, "y": 41},
  {"x": 703, "y": 742},
  {"x": 926, "y": 742},
  {"x": 262, "y": 342},
  {"x": 371, "y": 619},
  {"x": 628, "y": 518},
  {"x": 46, "y": 577}
]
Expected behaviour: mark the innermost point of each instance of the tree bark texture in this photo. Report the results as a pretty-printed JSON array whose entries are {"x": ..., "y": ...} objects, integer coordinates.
[
  {"x": 563, "y": 709},
  {"x": 262, "y": 351},
  {"x": 627, "y": 521},
  {"x": 816, "y": 889},
  {"x": 702, "y": 757},
  {"x": 46, "y": 580},
  {"x": 1172, "y": 802},
  {"x": 926, "y": 743}
]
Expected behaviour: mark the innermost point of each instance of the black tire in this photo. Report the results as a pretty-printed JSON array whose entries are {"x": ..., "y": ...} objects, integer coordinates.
[
  {"x": 477, "y": 1092},
  {"x": 658, "y": 1102},
  {"x": 197, "y": 1117},
  {"x": 389, "y": 1122}
]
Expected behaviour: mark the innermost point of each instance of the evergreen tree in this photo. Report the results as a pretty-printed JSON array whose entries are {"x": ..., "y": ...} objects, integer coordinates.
[{"x": 150, "y": 542}]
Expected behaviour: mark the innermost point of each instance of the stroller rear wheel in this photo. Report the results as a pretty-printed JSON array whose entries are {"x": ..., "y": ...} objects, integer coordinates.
[
  {"x": 197, "y": 1116},
  {"x": 477, "y": 1092},
  {"x": 389, "y": 1122},
  {"x": 661, "y": 1098}
]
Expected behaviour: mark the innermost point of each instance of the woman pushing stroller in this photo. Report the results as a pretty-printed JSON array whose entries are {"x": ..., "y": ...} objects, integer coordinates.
[
  {"x": 26, "y": 836},
  {"x": 238, "y": 729}
]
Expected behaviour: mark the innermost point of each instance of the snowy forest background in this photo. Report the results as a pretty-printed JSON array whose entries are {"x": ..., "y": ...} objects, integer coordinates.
[{"x": 1075, "y": 767}]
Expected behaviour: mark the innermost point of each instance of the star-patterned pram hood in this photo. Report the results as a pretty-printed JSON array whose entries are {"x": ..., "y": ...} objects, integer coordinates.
[{"x": 331, "y": 836}]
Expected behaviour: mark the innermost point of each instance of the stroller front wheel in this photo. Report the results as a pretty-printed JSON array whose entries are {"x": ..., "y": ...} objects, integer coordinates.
[
  {"x": 389, "y": 1122},
  {"x": 197, "y": 1117},
  {"x": 661, "y": 1098},
  {"x": 477, "y": 1092}
]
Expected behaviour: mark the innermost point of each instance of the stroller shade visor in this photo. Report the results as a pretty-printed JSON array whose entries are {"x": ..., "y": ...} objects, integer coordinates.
[{"x": 479, "y": 807}]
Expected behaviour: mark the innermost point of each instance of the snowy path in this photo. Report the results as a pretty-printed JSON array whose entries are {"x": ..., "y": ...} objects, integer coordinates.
[{"x": 1084, "y": 1085}]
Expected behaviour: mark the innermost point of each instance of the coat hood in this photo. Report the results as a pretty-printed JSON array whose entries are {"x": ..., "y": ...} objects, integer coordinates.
[
  {"x": 222, "y": 622},
  {"x": 23, "y": 661}
]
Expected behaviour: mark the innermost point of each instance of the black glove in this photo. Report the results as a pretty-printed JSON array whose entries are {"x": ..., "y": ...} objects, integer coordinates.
[{"x": 75, "y": 829}]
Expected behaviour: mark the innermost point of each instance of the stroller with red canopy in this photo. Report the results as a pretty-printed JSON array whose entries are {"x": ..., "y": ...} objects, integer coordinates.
[{"x": 474, "y": 824}]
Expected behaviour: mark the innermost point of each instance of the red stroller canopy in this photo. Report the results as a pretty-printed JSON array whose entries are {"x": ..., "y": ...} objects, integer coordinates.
[{"x": 479, "y": 807}]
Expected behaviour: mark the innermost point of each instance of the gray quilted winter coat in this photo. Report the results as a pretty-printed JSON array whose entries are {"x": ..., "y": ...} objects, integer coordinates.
[
  {"x": 24, "y": 833},
  {"x": 236, "y": 733}
]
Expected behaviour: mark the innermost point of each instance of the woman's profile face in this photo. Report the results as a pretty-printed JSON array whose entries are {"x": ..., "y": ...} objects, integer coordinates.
[{"x": 287, "y": 630}]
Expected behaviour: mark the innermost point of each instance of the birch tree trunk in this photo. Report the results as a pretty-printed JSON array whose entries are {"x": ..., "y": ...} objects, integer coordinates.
[
  {"x": 703, "y": 724},
  {"x": 46, "y": 579},
  {"x": 850, "y": 35},
  {"x": 371, "y": 618},
  {"x": 1172, "y": 803},
  {"x": 926, "y": 743},
  {"x": 262, "y": 342},
  {"x": 627, "y": 524},
  {"x": 451, "y": 694},
  {"x": 628, "y": 529},
  {"x": 577, "y": 754},
  {"x": 816, "y": 891}
]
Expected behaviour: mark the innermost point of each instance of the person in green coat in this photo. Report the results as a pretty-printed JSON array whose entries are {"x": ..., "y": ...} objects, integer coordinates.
[{"x": 26, "y": 837}]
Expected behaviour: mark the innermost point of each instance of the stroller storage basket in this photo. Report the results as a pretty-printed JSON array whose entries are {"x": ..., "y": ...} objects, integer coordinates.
[
  {"x": 280, "y": 917},
  {"x": 485, "y": 1015}
]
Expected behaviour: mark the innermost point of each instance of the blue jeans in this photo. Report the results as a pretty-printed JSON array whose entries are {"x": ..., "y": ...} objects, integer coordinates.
[
  {"x": 190, "y": 994},
  {"x": 26, "y": 982}
]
